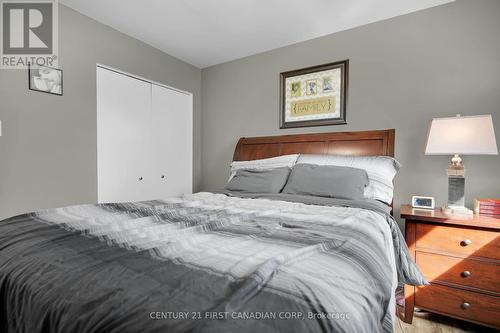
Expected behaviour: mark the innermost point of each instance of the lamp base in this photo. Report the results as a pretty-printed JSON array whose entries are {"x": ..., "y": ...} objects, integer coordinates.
[
  {"x": 457, "y": 210},
  {"x": 456, "y": 191},
  {"x": 456, "y": 183}
]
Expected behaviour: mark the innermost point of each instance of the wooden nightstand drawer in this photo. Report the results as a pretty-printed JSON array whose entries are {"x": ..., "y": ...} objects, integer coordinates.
[
  {"x": 465, "y": 272},
  {"x": 460, "y": 241},
  {"x": 460, "y": 303}
]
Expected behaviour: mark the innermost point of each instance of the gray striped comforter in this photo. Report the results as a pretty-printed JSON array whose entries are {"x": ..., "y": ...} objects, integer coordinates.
[{"x": 203, "y": 263}]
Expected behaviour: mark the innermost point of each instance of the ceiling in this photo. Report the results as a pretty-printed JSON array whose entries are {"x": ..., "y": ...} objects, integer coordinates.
[{"x": 208, "y": 32}]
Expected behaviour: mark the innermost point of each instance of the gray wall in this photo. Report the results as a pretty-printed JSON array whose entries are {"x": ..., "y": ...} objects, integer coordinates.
[
  {"x": 403, "y": 72},
  {"x": 48, "y": 146}
]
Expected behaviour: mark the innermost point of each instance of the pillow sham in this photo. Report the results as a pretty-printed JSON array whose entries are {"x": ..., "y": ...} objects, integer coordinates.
[
  {"x": 327, "y": 181},
  {"x": 266, "y": 163},
  {"x": 259, "y": 180},
  {"x": 381, "y": 171}
]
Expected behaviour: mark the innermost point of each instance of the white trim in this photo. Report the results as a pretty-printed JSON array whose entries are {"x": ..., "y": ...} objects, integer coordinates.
[{"x": 119, "y": 71}]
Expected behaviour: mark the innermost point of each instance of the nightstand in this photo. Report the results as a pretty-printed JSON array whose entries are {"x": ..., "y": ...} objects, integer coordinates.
[{"x": 460, "y": 257}]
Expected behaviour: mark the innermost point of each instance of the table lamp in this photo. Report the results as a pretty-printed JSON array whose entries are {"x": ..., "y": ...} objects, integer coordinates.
[{"x": 471, "y": 135}]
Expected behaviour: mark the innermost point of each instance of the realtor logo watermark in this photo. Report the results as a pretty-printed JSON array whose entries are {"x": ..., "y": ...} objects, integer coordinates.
[{"x": 29, "y": 33}]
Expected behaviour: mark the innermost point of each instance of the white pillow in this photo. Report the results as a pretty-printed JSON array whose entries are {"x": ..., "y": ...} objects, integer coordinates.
[
  {"x": 381, "y": 171},
  {"x": 266, "y": 163}
]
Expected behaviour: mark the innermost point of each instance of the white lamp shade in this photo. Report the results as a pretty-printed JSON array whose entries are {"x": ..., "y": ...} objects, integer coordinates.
[{"x": 472, "y": 135}]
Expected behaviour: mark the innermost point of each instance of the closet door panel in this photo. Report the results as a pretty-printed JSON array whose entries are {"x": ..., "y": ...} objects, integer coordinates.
[
  {"x": 123, "y": 141},
  {"x": 172, "y": 120}
]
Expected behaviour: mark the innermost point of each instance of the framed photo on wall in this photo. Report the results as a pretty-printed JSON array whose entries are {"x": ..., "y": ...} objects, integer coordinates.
[
  {"x": 45, "y": 79},
  {"x": 314, "y": 96}
]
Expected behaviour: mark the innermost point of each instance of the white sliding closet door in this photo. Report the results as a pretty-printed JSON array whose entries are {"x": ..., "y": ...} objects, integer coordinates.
[
  {"x": 144, "y": 139},
  {"x": 172, "y": 124},
  {"x": 123, "y": 121}
]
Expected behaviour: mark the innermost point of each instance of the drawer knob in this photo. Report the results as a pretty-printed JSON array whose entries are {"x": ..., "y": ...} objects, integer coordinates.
[
  {"x": 465, "y": 305},
  {"x": 465, "y": 274},
  {"x": 140, "y": 178},
  {"x": 466, "y": 242},
  {"x": 162, "y": 176}
]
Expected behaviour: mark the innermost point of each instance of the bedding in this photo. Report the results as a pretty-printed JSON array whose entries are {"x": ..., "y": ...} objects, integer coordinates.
[
  {"x": 327, "y": 181},
  {"x": 259, "y": 180},
  {"x": 265, "y": 163},
  {"x": 207, "y": 262},
  {"x": 381, "y": 171}
]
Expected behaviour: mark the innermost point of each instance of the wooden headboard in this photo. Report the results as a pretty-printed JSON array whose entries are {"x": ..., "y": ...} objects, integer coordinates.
[{"x": 363, "y": 143}]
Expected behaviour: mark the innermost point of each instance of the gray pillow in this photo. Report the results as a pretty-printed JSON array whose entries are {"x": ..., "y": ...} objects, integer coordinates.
[
  {"x": 327, "y": 181},
  {"x": 259, "y": 180}
]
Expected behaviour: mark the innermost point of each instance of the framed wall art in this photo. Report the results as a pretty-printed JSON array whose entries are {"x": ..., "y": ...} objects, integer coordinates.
[
  {"x": 314, "y": 96},
  {"x": 45, "y": 79}
]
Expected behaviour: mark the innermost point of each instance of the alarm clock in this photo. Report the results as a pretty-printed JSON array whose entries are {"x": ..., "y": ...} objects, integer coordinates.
[{"x": 418, "y": 201}]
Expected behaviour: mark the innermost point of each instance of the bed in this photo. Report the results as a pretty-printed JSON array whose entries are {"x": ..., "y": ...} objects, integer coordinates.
[{"x": 211, "y": 262}]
